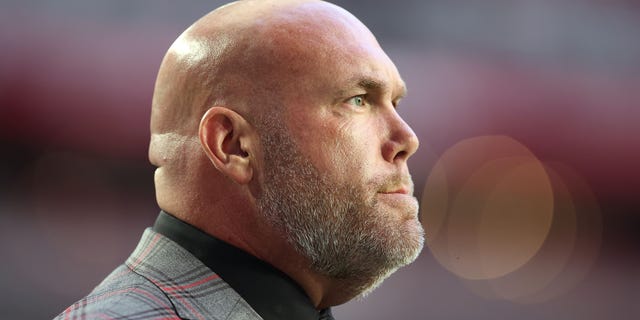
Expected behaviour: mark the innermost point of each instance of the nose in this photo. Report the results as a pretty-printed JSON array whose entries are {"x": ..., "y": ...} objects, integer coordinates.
[{"x": 402, "y": 142}]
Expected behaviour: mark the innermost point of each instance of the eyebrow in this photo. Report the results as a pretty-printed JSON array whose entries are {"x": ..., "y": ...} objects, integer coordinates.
[{"x": 371, "y": 84}]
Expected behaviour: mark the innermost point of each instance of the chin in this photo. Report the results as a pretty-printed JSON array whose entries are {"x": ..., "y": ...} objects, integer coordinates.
[{"x": 410, "y": 253}]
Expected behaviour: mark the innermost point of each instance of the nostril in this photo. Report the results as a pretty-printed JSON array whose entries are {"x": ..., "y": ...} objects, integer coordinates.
[{"x": 401, "y": 155}]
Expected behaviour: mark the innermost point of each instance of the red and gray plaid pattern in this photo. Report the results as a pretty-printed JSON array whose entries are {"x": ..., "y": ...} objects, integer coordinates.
[{"x": 161, "y": 280}]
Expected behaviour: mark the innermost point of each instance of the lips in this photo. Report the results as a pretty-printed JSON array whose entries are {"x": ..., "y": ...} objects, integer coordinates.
[
  {"x": 404, "y": 186},
  {"x": 400, "y": 190}
]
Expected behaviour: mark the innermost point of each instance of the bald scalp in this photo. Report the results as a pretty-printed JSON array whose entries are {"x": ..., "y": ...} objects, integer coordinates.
[{"x": 243, "y": 56}]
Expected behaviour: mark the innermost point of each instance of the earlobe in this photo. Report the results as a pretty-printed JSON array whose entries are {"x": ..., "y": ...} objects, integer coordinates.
[{"x": 226, "y": 139}]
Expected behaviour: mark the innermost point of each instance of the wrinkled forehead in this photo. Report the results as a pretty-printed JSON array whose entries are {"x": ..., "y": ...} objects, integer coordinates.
[{"x": 322, "y": 46}]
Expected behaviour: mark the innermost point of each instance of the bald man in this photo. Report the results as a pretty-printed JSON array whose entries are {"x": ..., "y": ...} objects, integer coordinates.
[{"x": 281, "y": 171}]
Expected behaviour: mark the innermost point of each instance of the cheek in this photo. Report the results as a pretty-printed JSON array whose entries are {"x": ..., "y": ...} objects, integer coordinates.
[
  {"x": 355, "y": 151},
  {"x": 343, "y": 148}
]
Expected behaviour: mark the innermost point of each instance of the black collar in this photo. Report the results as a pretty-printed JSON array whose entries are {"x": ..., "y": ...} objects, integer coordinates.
[{"x": 271, "y": 293}]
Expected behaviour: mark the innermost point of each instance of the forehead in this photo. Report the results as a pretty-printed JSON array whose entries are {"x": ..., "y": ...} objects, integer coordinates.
[
  {"x": 335, "y": 51},
  {"x": 311, "y": 50},
  {"x": 356, "y": 67}
]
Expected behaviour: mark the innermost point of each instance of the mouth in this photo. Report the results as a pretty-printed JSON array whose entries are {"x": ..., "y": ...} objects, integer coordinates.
[
  {"x": 400, "y": 190},
  {"x": 400, "y": 197},
  {"x": 396, "y": 191}
]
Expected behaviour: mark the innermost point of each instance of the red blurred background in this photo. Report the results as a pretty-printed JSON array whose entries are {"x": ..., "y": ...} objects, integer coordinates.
[{"x": 560, "y": 78}]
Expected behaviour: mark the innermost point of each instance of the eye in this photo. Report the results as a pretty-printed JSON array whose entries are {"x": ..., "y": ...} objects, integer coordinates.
[{"x": 357, "y": 101}]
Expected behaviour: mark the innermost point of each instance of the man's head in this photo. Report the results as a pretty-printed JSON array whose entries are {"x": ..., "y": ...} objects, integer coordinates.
[{"x": 274, "y": 127}]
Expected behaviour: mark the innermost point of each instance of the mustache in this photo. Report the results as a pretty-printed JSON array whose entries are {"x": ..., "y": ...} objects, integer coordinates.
[{"x": 393, "y": 182}]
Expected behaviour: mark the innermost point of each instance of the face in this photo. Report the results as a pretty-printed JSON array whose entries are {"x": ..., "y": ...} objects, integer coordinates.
[{"x": 335, "y": 178}]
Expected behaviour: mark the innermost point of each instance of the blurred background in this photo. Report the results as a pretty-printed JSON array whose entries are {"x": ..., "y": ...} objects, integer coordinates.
[{"x": 528, "y": 114}]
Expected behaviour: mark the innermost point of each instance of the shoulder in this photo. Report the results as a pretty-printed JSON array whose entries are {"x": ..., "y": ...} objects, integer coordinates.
[
  {"x": 122, "y": 295},
  {"x": 195, "y": 291},
  {"x": 161, "y": 280}
]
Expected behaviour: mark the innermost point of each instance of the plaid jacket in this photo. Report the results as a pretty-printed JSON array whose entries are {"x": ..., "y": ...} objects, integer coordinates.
[{"x": 161, "y": 280}]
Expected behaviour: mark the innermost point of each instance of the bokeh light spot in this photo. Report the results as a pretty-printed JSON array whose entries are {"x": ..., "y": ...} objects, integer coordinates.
[
  {"x": 492, "y": 207},
  {"x": 508, "y": 225}
]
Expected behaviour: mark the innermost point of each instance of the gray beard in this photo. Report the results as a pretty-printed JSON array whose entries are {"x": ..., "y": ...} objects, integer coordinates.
[{"x": 335, "y": 226}]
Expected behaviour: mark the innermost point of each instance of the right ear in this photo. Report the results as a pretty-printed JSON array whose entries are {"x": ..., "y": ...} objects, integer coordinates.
[{"x": 227, "y": 140}]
